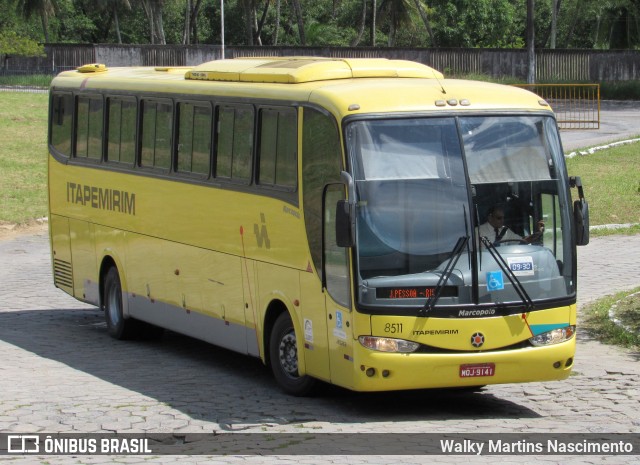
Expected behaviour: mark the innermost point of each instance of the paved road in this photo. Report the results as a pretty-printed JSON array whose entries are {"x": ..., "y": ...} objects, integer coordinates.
[
  {"x": 60, "y": 372},
  {"x": 618, "y": 121}
]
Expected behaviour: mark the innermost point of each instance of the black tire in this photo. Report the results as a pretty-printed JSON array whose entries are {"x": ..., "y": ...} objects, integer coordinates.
[
  {"x": 283, "y": 354},
  {"x": 118, "y": 326}
]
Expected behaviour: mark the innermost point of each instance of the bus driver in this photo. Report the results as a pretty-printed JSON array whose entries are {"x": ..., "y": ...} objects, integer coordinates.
[{"x": 495, "y": 230}]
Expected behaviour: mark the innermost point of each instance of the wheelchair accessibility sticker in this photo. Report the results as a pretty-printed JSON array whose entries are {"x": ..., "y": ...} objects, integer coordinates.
[{"x": 495, "y": 281}]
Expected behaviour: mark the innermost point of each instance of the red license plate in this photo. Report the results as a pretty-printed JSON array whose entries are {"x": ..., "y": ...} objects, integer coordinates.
[{"x": 477, "y": 370}]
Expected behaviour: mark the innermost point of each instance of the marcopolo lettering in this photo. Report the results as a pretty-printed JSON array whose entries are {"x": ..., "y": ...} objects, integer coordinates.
[
  {"x": 101, "y": 198},
  {"x": 482, "y": 312}
]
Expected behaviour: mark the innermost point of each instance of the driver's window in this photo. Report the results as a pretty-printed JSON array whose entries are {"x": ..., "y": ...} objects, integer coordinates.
[{"x": 335, "y": 258}]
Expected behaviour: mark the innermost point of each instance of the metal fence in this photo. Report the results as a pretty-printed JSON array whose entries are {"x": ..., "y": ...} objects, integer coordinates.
[{"x": 577, "y": 106}]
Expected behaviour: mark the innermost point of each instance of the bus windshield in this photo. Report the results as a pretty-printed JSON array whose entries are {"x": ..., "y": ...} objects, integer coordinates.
[{"x": 423, "y": 184}]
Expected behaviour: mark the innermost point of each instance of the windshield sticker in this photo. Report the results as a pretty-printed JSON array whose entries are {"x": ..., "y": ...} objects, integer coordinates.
[
  {"x": 495, "y": 281},
  {"x": 521, "y": 266}
]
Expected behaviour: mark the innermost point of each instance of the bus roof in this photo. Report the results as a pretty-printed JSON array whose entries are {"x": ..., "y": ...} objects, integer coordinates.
[{"x": 342, "y": 85}]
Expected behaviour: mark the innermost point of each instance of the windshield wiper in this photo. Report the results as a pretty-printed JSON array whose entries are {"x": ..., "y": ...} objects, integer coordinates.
[
  {"x": 444, "y": 277},
  {"x": 504, "y": 266}
]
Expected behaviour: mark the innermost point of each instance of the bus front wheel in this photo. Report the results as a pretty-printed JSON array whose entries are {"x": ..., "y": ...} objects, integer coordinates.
[{"x": 283, "y": 351}]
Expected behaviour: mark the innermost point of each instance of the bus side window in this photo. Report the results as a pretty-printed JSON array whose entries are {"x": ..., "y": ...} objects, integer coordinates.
[
  {"x": 89, "y": 127},
  {"x": 61, "y": 122},
  {"x": 157, "y": 121},
  {"x": 336, "y": 265},
  {"x": 121, "y": 130},
  {"x": 278, "y": 144},
  {"x": 194, "y": 138},
  {"x": 234, "y": 142}
]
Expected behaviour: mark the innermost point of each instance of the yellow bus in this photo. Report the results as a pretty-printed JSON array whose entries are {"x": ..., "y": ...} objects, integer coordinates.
[{"x": 324, "y": 215}]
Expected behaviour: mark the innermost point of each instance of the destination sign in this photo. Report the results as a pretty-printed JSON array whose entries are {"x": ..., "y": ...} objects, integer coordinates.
[{"x": 417, "y": 292}]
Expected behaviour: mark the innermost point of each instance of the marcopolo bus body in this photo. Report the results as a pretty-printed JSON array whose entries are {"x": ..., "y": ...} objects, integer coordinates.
[{"x": 321, "y": 214}]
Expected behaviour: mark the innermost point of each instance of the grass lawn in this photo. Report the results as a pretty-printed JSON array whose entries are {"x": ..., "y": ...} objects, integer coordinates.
[
  {"x": 615, "y": 319},
  {"x": 23, "y": 156},
  {"x": 611, "y": 180}
]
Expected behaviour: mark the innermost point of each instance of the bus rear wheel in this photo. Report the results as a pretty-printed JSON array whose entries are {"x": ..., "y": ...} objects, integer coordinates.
[
  {"x": 283, "y": 352},
  {"x": 117, "y": 325}
]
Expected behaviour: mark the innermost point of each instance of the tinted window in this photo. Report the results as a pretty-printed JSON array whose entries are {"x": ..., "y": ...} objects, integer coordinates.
[
  {"x": 194, "y": 138},
  {"x": 278, "y": 144},
  {"x": 121, "y": 130},
  {"x": 89, "y": 128},
  {"x": 234, "y": 142},
  {"x": 61, "y": 122},
  {"x": 157, "y": 121},
  {"x": 321, "y": 164}
]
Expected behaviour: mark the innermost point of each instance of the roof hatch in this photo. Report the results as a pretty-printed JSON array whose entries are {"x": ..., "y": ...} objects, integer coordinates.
[{"x": 294, "y": 70}]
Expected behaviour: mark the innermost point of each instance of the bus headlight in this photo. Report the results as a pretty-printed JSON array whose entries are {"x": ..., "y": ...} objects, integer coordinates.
[
  {"x": 386, "y": 344},
  {"x": 555, "y": 336}
]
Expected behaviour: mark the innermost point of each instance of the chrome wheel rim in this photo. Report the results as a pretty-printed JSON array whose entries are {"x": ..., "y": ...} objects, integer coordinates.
[{"x": 288, "y": 354}]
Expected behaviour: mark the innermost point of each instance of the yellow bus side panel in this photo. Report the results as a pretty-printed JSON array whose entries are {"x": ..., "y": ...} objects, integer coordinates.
[
  {"x": 61, "y": 253},
  {"x": 85, "y": 271},
  {"x": 279, "y": 284},
  {"x": 237, "y": 223},
  {"x": 186, "y": 253},
  {"x": 313, "y": 321}
]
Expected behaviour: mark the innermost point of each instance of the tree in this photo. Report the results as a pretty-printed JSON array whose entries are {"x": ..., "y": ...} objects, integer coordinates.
[
  {"x": 298, "y": 12},
  {"x": 618, "y": 24},
  {"x": 192, "y": 10},
  {"x": 397, "y": 13},
  {"x": 425, "y": 20},
  {"x": 555, "y": 8},
  {"x": 531, "y": 55},
  {"x": 478, "y": 23},
  {"x": 363, "y": 20},
  {"x": 447, "y": 23},
  {"x": 112, "y": 6},
  {"x": 374, "y": 13},
  {"x": 186, "y": 34},
  {"x": 153, "y": 10},
  {"x": 43, "y": 8},
  {"x": 263, "y": 19},
  {"x": 11, "y": 44},
  {"x": 276, "y": 30},
  {"x": 248, "y": 8}
]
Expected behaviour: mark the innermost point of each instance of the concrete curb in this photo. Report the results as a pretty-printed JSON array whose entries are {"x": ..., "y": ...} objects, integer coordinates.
[{"x": 601, "y": 147}]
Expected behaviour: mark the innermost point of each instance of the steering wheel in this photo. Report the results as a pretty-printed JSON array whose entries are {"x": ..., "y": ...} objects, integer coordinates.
[{"x": 519, "y": 241}]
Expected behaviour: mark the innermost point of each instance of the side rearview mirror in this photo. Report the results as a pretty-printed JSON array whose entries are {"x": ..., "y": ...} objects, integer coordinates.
[
  {"x": 344, "y": 231},
  {"x": 580, "y": 213},
  {"x": 581, "y": 220}
]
